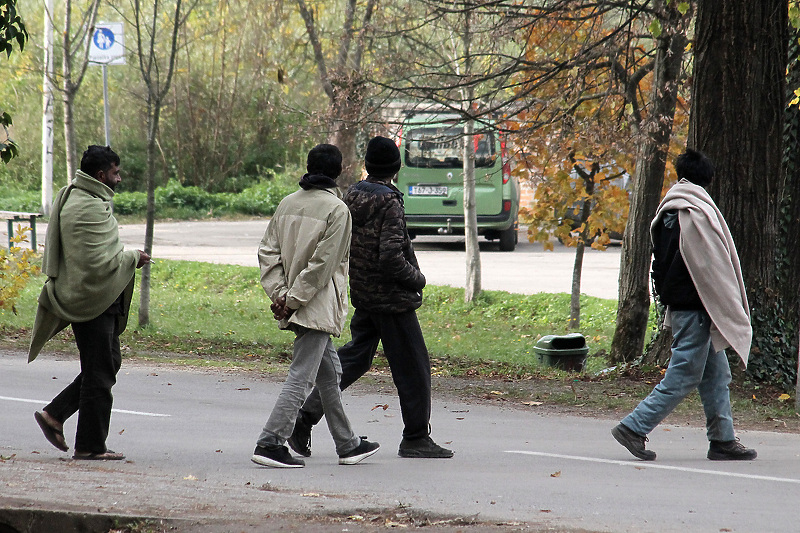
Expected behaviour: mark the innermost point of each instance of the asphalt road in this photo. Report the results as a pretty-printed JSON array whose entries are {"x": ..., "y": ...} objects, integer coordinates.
[{"x": 188, "y": 435}]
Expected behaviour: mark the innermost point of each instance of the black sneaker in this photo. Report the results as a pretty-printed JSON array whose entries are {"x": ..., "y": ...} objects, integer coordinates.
[
  {"x": 423, "y": 448},
  {"x": 359, "y": 453},
  {"x": 277, "y": 458},
  {"x": 300, "y": 440},
  {"x": 731, "y": 450},
  {"x": 633, "y": 442}
]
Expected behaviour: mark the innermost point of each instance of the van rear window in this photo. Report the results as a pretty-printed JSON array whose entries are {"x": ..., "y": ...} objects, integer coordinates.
[{"x": 433, "y": 147}]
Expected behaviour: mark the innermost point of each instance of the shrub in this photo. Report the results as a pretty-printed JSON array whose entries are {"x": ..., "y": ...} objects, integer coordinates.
[
  {"x": 30, "y": 201},
  {"x": 178, "y": 201},
  {"x": 130, "y": 203},
  {"x": 176, "y": 195},
  {"x": 17, "y": 265}
]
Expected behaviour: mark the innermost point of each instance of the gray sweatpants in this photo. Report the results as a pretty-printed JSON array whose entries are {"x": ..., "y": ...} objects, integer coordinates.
[{"x": 315, "y": 361}]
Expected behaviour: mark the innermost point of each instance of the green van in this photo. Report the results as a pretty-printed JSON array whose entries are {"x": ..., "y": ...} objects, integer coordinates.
[{"x": 432, "y": 180}]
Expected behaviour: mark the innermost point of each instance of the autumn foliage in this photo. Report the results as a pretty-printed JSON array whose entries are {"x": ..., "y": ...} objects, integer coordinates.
[
  {"x": 584, "y": 124},
  {"x": 17, "y": 266}
]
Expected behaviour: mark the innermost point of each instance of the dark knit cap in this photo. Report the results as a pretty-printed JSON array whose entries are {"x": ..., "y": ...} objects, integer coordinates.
[{"x": 383, "y": 158}]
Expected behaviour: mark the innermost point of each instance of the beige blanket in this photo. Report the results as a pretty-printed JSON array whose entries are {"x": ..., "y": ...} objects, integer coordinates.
[{"x": 713, "y": 263}]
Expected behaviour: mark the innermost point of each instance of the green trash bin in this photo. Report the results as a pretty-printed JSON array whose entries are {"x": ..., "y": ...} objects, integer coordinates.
[{"x": 567, "y": 352}]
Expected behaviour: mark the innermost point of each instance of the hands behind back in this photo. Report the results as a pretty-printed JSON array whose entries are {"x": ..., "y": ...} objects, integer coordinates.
[{"x": 279, "y": 309}]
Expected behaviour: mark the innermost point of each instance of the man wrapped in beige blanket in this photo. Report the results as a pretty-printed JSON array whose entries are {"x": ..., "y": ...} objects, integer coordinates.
[{"x": 696, "y": 274}]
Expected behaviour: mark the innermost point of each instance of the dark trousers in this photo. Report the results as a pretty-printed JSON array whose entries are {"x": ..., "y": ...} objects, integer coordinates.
[
  {"x": 90, "y": 393},
  {"x": 408, "y": 359}
]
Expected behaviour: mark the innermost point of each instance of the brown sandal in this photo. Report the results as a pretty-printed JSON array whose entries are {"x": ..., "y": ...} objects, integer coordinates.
[
  {"x": 54, "y": 436},
  {"x": 107, "y": 455}
]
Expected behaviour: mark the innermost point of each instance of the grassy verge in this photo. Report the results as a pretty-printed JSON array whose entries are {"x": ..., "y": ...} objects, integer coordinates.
[
  {"x": 218, "y": 316},
  {"x": 221, "y": 312}
]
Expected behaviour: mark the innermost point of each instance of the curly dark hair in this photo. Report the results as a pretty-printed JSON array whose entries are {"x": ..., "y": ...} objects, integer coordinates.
[{"x": 98, "y": 158}]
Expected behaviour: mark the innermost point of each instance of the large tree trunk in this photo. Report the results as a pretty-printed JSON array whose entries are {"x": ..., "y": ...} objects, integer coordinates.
[
  {"x": 737, "y": 120},
  {"x": 344, "y": 135},
  {"x": 633, "y": 306},
  {"x": 789, "y": 233},
  {"x": 342, "y": 84}
]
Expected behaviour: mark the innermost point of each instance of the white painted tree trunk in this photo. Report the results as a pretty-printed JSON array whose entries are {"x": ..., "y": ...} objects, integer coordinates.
[
  {"x": 48, "y": 121},
  {"x": 473, "y": 251}
]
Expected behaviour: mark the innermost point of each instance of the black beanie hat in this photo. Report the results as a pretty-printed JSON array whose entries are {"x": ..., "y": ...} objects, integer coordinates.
[{"x": 383, "y": 158}]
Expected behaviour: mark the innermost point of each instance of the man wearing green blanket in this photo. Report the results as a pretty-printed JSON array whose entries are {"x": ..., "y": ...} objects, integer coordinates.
[{"x": 89, "y": 285}]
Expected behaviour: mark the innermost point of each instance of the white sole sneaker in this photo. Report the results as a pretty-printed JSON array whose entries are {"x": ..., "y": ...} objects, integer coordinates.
[
  {"x": 265, "y": 461},
  {"x": 355, "y": 459}
]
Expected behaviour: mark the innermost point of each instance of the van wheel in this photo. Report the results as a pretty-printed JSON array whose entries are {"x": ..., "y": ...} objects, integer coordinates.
[{"x": 508, "y": 239}]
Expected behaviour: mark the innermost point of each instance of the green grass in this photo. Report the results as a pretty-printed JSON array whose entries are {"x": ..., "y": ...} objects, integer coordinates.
[{"x": 212, "y": 312}]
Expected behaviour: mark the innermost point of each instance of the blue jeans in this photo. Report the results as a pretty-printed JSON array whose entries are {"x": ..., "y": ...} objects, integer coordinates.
[
  {"x": 694, "y": 364},
  {"x": 314, "y": 361}
]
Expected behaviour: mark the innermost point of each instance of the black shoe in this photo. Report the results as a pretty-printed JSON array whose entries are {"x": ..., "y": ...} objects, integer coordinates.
[
  {"x": 277, "y": 458},
  {"x": 300, "y": 440},
  {"x": 731, "y": 450},
  {"x": 633, "y": 442},
  {"x": 423, "y": 448},
  {"x": 359, "y": 453}
]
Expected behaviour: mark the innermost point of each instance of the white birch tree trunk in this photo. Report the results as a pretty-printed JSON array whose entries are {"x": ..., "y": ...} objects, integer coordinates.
[{"x": 48, "y": 119}]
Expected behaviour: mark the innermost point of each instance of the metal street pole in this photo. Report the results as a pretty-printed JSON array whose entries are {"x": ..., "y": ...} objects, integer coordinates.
[{"x": 105, "y": 105}]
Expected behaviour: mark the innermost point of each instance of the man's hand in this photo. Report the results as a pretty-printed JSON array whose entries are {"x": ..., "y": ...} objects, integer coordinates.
[
  {"x": 143, "y": 259},
  {"x": 279, "y": 309}
]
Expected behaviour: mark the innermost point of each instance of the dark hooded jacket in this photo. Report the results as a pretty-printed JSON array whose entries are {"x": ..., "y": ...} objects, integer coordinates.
[
  {"x": 384, "y": 273},
  {"x": 671, "y": 279}
]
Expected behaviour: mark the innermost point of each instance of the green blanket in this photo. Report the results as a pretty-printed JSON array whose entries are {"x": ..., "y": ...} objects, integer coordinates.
[{"x": 86, "y": 265}]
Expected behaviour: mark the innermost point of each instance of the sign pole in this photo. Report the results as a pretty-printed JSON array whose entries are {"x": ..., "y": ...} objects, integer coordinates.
[
  {"x": 106, "y": 48},
  {"x": 105, "y": 105}
]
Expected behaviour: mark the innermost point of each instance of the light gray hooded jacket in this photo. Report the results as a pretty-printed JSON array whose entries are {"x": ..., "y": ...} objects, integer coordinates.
[{"x": 304, "y": 257}]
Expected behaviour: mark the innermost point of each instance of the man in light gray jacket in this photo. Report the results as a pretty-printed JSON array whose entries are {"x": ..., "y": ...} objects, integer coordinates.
[{"x": 303, "y": 257}]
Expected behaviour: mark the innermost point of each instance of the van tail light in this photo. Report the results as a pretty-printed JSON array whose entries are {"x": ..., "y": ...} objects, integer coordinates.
[
  {"x": 506, "y": 205},
  {"x": 399, "y": 138},
  {"x": 506, "y": 166}
]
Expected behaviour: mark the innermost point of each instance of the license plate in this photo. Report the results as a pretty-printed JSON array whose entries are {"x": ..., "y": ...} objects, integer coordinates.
[{"x": 427, "y": 190}]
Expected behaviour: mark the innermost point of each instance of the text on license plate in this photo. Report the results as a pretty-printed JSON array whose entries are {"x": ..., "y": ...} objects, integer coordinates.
[{"x": 427, "y": 190}]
